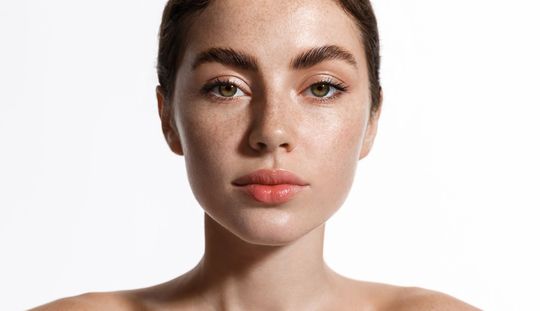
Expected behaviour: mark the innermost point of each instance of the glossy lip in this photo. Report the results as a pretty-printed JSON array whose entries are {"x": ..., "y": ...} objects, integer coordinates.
[
  {"x": 271, "y": 186},
  {"x": 270, "y": 177}
]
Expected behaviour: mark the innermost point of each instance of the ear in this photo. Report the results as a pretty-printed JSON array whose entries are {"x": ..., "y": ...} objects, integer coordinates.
[
  {"x": 371, "y": 130},
  {"x": 167, "y": 122}
]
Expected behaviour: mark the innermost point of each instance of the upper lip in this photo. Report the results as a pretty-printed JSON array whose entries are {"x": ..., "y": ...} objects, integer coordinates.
[{"x": 270, "y": 177}]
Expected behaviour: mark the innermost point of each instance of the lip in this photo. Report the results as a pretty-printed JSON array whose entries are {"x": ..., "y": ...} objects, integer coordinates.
[
  {"x": 270, "y": 177},
  {"x": 271, "y": 186}
]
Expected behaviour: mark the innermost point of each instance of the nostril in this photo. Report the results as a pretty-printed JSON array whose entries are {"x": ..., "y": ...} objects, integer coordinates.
[
  {"x": 261, "y": 145},
  {"x": 270, "y": 142}
]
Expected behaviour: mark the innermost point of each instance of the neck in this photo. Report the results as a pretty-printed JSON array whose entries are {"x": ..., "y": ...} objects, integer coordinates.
[{"x": 236, "y": 275}]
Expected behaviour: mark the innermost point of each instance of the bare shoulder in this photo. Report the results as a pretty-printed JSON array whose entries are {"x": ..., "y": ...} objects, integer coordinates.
[
  {"x": 168, "y": 295},
  {"x": 381, "y": 297},
  {"x": 419, "y": 299},
  {"x": 92, "y": 301}
]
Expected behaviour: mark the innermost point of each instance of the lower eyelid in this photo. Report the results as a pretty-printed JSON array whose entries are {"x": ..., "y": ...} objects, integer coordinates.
[{"x": 325, "y": 99}]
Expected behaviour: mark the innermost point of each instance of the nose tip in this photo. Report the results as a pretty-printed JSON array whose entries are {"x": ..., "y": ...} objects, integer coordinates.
[{"x": 268, "y": 138}]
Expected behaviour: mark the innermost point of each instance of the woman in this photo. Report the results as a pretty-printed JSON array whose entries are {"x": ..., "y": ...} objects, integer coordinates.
[{"x": 272, "y": 103}]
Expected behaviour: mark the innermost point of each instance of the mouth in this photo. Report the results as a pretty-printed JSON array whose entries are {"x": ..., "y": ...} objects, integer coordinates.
[{"x": 271, "y": 187}]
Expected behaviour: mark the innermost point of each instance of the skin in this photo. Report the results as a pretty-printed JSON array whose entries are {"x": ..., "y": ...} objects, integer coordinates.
[{"x": 259, "y": 257}]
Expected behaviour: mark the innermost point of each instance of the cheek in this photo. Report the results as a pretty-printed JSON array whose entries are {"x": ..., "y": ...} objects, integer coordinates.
[
  {"x": 336, "y": 138},
  {"x": 336, "y": 153},
  {"x": 209, "y": 139},
  {"x": 205, "y": 136}
]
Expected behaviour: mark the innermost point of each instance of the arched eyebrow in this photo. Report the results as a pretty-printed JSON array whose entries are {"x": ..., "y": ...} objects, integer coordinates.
[
  {"x": 317, "y": 55},
  {"x": 241, "y": 60}
]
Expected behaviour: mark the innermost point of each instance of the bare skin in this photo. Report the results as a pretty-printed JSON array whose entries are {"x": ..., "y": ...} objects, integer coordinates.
[{"x": 260, "y": 257}]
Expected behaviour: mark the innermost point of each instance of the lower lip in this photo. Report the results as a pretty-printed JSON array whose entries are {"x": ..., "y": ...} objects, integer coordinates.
[{"x": 273, "y": 194}]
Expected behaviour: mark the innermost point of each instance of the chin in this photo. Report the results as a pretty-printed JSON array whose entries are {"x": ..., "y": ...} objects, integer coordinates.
[{"x": 267, "y": 226}]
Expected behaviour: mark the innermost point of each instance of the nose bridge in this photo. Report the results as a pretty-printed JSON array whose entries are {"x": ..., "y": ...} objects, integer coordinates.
[
  {"x": 270, "y": 108},
  {"x": 272, "y": 126}
]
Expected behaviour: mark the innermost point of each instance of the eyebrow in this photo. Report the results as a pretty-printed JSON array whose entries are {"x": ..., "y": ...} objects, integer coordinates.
[{"x": 241, "y": 60}]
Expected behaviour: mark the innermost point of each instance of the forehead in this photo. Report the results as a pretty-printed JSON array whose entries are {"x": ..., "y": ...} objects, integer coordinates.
[{"x": 273, "y": 31}]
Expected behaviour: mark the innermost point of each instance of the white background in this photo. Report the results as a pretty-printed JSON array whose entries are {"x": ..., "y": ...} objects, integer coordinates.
[{"x": 91, "y": 198}]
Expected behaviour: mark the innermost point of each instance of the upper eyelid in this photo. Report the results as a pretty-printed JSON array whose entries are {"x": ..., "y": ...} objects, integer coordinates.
[
  {"x": 339, "y": 86},
  {"x": 216, "y": 82},
  {"x": 326, "y": 78}
]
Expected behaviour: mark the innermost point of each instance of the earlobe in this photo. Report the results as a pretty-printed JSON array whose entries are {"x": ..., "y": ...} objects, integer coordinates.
[{"x": 167, "y": 122}]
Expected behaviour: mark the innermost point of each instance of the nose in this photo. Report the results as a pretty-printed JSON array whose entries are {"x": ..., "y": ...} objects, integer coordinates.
[{"x": 273, "y": 127}]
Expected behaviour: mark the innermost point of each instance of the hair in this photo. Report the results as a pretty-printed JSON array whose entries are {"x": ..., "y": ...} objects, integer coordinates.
[{"x": 178, "y": 17}]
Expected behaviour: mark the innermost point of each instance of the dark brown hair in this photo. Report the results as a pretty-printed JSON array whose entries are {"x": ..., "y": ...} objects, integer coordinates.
[{"x": 177, "y": 18}]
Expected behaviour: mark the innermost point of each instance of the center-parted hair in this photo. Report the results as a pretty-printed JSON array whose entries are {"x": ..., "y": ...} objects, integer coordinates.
[{"x": 178, "y": 16}]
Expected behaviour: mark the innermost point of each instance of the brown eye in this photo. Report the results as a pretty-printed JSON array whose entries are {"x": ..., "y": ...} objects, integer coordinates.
[
  {"x": 320, "y": 90},
  {"x": 227, "y": 90}
]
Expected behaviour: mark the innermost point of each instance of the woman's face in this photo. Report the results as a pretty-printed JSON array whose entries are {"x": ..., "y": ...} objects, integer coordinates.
[{"x": 310, "y": 117}]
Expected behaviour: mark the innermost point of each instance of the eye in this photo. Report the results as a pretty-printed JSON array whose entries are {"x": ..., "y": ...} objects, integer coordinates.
[
  {"x": 326, "y": 90},
  {"x": 320, "y": 89},
  {"x": 222, "y": 89},
  {"x": 228, "y": 90}
]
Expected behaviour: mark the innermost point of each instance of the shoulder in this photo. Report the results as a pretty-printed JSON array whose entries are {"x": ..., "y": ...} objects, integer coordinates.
[
  {"x": 91, "y": 302},
  {"x": 420, "y": 299},
  {"x": 382, "y": 297}
]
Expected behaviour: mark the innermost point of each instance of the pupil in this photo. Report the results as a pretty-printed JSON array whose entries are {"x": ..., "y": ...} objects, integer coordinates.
[
  {"x": 321, "y": 90},
  {"x": 227, "y": 90}
]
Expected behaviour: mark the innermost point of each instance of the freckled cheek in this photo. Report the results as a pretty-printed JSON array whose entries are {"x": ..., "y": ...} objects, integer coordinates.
[
  {"x": 340, "y": 150},
  {"x": 209, "y": 141},
  {"x": 347, "y": 141}
]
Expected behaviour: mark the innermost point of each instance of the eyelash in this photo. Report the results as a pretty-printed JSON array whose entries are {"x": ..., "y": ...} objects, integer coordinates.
[{"x": 339, "y": 87}]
